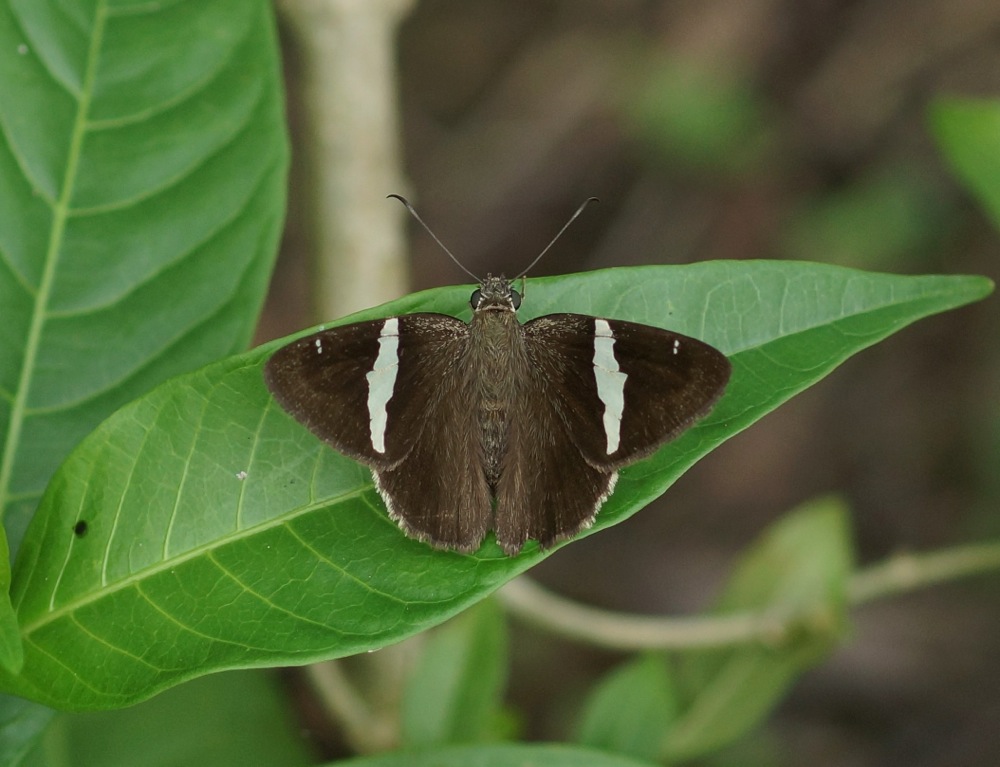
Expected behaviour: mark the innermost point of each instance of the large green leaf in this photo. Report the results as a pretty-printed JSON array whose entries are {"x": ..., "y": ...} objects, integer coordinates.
[
  {"x": 11, "y": 652},
  {"x": 142, "y": 162},
  {"x": 220, "y": 533}
]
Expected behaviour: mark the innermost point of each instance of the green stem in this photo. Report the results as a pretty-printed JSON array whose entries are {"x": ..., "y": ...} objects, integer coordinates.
[
  {"x": 619, "y": 631},
  {"x": 908, "y": 572},
  {"x": 898, "y": 574}
]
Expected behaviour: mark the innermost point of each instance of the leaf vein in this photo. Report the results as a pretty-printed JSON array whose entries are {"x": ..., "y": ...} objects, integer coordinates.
[
  {"x": 268, "y": 602},
  {"x": 346, "y": 574},
  {"x": 113, "y": 647}
]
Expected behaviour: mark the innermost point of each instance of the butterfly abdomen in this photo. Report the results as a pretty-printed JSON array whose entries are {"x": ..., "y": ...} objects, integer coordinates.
[{"x": 496, "y": 351}]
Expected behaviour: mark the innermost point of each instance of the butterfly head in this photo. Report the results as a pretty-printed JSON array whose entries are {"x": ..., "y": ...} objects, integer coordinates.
[{"x": 495, "y": 294}]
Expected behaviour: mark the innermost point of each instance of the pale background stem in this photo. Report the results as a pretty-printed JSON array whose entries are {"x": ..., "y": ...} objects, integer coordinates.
[
  {"x": 351, "y": 147},
  {"x": 619, "y": 631}
]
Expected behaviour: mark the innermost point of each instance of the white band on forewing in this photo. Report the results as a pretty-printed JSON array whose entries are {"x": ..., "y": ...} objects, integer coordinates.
[
  {"x": 610, "y": 382},
  {"x": 382, "y": 382}
]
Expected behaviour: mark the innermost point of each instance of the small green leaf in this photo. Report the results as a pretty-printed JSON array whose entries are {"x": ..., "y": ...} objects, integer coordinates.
[
  {"x": 455, "y": 692},
  {"x": 224, "y": 720},
  {"x": 630, "y": 709},
  {"x": 968, "y": 131},
  {"x": 875, "y": 223},
  {"x": 694, "y": 116},
  {"x": 798, "y": 572},
  {"x": 22, "y": 723},
  {"x": 812, "y": 544},
  {"x": 223, "y": 534},
  {"x": 499, "y": 755}
]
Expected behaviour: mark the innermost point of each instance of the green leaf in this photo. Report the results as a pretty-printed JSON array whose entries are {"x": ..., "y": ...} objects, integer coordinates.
[
  {"x": 142, "y": 165},
  {"x": 879, "y": 221},
  {"x": 222, "y": 534},
  {"x": 11, "y": 652},
  {"x": 235, "y": 719},
  {"x": 798, "y": 571},
  {"x": 700, "y": 117},
  {"x": 968, "y": 132},
  {"x": 454, "y": 694},
  {"x": 501, "y": 755},
  {"x": 22, "y": 723},
  {"x": 630, "y": 709},
  {"x": 813, "y": 544}
]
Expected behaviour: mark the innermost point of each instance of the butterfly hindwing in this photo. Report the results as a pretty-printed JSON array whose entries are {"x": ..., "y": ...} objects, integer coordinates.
[
  {"x": 438, "y": 492},
  {"x": 548, "y": 491}
]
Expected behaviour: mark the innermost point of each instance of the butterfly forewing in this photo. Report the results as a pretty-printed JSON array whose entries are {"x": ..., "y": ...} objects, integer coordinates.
[
  {"x": 672, "y": 381},
  {"x": 309, "y": 378},
  {"x": 621, "y": 388},
  {"x": 354, "y": 385}
]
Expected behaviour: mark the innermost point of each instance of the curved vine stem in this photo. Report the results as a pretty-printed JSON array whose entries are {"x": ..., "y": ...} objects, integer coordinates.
[
  {"x": 908, "y": 572},
  {"x": 618, "y": 631}
]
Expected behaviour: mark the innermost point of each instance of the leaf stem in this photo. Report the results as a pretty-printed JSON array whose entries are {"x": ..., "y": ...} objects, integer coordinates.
[
  {"x": 618, "y": 631},
  {"x": 907, "y": 571},
  {"x": 363, "y": 694}
]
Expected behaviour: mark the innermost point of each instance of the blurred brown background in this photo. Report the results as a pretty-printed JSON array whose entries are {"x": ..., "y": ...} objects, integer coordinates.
[{"x": 740, "y": 129}]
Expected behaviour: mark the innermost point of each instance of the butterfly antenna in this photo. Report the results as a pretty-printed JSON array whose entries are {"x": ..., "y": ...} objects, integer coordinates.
[
  {"x": 434, "y": 236},
  {"x": 558, "y": 235}
]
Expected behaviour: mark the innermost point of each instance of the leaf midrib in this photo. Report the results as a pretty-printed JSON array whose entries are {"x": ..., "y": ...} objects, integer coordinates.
[{"x": 61, "y": 212}]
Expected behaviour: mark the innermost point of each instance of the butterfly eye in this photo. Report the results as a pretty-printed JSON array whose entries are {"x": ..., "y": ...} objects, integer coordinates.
[
  {"x": 477, "y": 296},
  {"x": 515, "y": 299}
]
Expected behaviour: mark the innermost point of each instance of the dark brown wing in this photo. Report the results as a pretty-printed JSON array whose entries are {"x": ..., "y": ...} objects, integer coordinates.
[
  {"x": 547, "y": 490},
  {"x": 670, "y": 382},
  {"x": 322, "y": 380},
  {"x": 562, "y": 463},
  {"x": 438, "y": 492}
]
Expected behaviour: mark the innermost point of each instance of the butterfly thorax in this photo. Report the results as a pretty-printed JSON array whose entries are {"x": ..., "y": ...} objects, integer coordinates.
[{"x": 497, "y": 355}]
